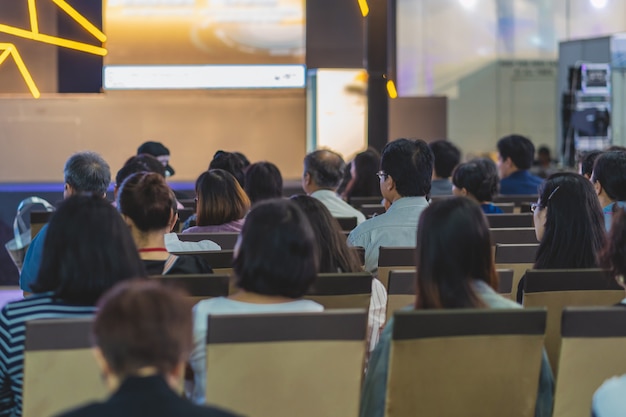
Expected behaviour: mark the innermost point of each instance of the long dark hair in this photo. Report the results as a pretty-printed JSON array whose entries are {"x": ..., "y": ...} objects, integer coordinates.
[
  {"x": 365, "y": 183},
  {"x": 574, "y": 231},
  {"x": 87, "y": 250},
  {"x": 334, "y": 253},
  {"x": 453, "y": 248}
]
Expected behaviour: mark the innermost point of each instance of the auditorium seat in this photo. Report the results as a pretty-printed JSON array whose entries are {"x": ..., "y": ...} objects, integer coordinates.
[
  {"x": 394, "y": 258},
  {"x": 518, "y": 257},
  {"x": 507, "y": 208},
  {"x": 371, "y": 210},
  {"x": 497, "y": 221},
  {"x": 347, "y": 223},
  {"x": 38, "y": 219},
  {"x": 559, "y": 288},
  {"x": 513, "y": 235},
  {"x": 592, "y": 350},
  {"x": 357, "y": 202},
  {"x": 342, "y": 290},
  {"x": 197, "y": 286},
  {"x": 286, "y": 365},
  {"x": 60, "y": 371},
  {"x": 220, "y": 260},
  {"x": 459, "y": 362},
  {"x": 226, "y": 240}
]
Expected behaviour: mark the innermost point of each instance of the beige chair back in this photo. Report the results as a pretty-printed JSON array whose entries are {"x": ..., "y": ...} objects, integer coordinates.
[
  {"x": 37, "y": 220},
  {"x": 513, "y": 235},
  {"x": 225, "y": 240},
  {"x": 394, "y": 258},
  {"x": 559, "y": 288},
  {"x": 220, "y": 260},
  {"x": 497, "y": 221},
  {"x": 60, "y": 371},
  {"x": 357, "y": 202},
  {"x": 285, "y": 365},
  {"x": 519, "y": 258},
  {"x": 342, "y": 290},
  {"x": 197, "y": 286},
  {"x": 458, "y": 363},
  {"x": 592, "y": 350}
]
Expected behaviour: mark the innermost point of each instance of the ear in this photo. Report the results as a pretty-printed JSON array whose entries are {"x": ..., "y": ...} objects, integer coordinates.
[
  {"x": 101, "y": 361},
  {"x": 463, "y": 192},
  {"x": 306, "y": 178},
  {"x": 598, "y": 187},
  {"x": 390, "y": 184}
]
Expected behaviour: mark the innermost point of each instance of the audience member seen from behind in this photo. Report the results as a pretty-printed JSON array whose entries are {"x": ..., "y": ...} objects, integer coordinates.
[
  {"x": 478, "y": 180},
  {"x": 148, "y": 206},
  {"x": 544, "y": 165},
  {"x": 142, "y": 336},
  {"x": 275, "y": 262},
  {"x": 609, "y": 400},
  {"x": 88, "y": 249},
  {"x": 447, "y": 156},
  {"x": 587, "y": 161},
  {"x": 568, "y": 224},
  {"x": 323, "y": 171},
  {"x": 336, "y": 256},
  {"x": 609, "y": 181},
  {"x": 455, "y": 269},
  {"x": 222, "y": 203},
  {"x": 404, "y": 180},
  {"x": 160, "y": 152},
  {"x": 515, "y": 157},
  {"x": 363, "y": 181},
  {"x": 234, "y": 163},
  {"x": 134, "y": 164},
  {"x": 86, "y": 173},
  {"x": 263, "y": 182}
]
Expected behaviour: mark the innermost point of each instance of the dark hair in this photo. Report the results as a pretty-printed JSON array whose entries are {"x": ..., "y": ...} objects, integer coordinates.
[
  {"x": 263, "y": 181},
  {"x": 334, "y": 253},
  {"x": 453, "y": 248},
  {"x": 325, "y": 168},
  {"x": 613, "y": 255},
  {"x": 220, "y": 198},
  {"x": 479, "y": 177},
  {"x": 447, "y": 156},
  {"x": 365, "y": 183},
  {"x": 88, "y": 249},
  {"x": 87, "y": 173},
  {"x": 610, "y": 170},
  {"x": 519, "y": 148},
  {"x": 574, "y": 231},
  {"x": 277, "y": 253},
  {"x": 232, "y": 163},
  {"x": 587, "y": 162},
  {"x": 139, "y": 163},
  {"x": 141, "y": 324},
  {"x": 410, "y": 164},
  {"x": 146, "y": 198}
]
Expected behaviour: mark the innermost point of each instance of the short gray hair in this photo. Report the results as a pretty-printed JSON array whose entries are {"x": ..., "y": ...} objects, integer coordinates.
[
  {"x": 325, "y": 167},
  {"x": 87, "y": 172}
]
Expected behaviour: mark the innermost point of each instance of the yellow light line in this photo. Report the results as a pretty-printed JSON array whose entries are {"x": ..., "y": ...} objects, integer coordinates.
[
  {"x": 391, "y": 89},
  {"x": 12, "y": 30},
  {"x": 79, "y": 46},
  {"x": 4, "y": 55},
  {"x": 32, "y": 12},
  {"x": 365, "y": 9},
  {"x": 80, "y": 19},
  {"x": 30, "y": 83}
]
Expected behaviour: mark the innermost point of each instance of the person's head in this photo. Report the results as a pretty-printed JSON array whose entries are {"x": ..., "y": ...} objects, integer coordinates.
[
  {"x": 160, "y": 152},
  {"x": 587, "y": 161},
  {"x": 515, "y": 153},
  {"x": 543, "y": 156},
  {"x": 453, "y": 249},
  {"x": 263, "y": 181},
  {"x": 220, "y": 198},
  {"x": 609, "y": 177},
  {"x": 477, "y": 178},
  {"x": 323, "y": 169},
  {"x": 139, "y": 163},
  {"x": 142, "y": 328},
  {"x": 88, "y": 249},
  {"x": 86, "y": 173},
  {"x": 145, "y": 201},
  {"x": 447, "y": 156},
  {"x": 569, "y": 223},
  {"x": 276, "y": 253},
  {"x": 363, "y": 169},
  {"x": 231, "y": 162},
  {"x": 334, "y": 254},
  {"x": 407, "y": 169}
]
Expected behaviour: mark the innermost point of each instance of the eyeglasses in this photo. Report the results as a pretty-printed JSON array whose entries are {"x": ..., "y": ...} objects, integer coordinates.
[
  {"x": 381, "y": 175},
  {"x": 535, "y": 206}
]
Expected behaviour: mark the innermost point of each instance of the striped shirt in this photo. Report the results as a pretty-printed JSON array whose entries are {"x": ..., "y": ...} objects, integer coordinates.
[{"x": 13, "y": 318}]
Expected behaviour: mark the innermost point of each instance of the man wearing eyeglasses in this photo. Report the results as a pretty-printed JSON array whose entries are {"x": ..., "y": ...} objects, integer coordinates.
[{"x": 405, "y": 181}]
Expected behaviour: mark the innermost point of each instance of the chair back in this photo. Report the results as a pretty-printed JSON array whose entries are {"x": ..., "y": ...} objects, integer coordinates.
[
  {"x": 513, "y": 235},
  {"x": 592, "y": 350},
  {"x": 507, "y": 208},
  {"x": 225, "y": 240},
  {"x": 396, "y": 258},
  {"x": 342, "y": 290},
  {"x": 38, "y": 219},
  {"x": 497, "y": 221},
  {"x": 559, "y": 288},
  {"x": 285, "y": 365},
  {"x": 347, "y": 223},
  {"x": 220, "y": 260},
  {"x": 505, "y": 282},
  {"x": 518, "y": 199},
  {"x": 357, "y": 202},
  {"x": 458, "y": 362},
  {"x": 60, "y": 371},
  {"x": 371, "y": 210},
  {"x": 519, "y": 258},
  {"x": 197, "y": 286}
]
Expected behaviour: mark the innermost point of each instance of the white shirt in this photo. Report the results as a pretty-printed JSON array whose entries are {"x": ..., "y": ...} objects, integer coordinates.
[
  {"x": 336, "y": 206},
  {"x": 173, "y": 244}
]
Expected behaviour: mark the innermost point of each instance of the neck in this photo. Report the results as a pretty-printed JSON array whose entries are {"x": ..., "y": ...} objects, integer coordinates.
[
  {"x": 604, "y": 200},
  {"x": 254, "y": 298},
  {"x": 152, "y": 239},
  {"x": 313, "y": 188},
  {"x": 113, "y": 381}
]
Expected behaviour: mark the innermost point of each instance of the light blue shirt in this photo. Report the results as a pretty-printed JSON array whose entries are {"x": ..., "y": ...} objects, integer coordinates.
[
  {"x": 222, "y": 305},
  {"x": 608, "y": 213},
  {"x": 336, "y": 206},
  {"x": 396, "y": 227},
  {"x": 609, "y": 400}
]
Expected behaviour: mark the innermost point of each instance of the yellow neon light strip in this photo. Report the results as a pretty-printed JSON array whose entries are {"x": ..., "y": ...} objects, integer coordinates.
[
  {"x": 4, "y": 55},
  {"x": 32, "y": 12},
  {"x": 365, "y": 8},
  {"x": 12, "y": 50},
  {"x": 391, "y": 89},
  {"x": 80, "y": 19},
  {"x": 53, "y": 40}
]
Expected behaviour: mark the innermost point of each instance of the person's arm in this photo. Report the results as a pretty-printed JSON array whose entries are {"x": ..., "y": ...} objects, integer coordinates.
[
  {"x": 545, "y": 396},
  {"x": 7, "y": 401}
]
